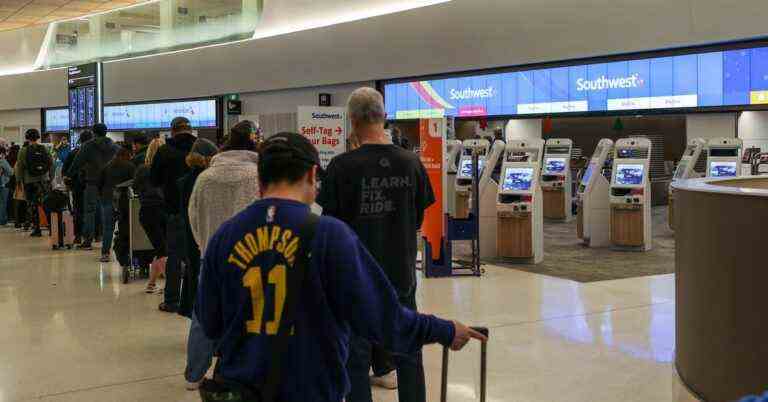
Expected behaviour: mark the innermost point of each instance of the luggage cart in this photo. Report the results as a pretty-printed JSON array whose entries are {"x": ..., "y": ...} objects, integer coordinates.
[{"x": 140, "y": 250}]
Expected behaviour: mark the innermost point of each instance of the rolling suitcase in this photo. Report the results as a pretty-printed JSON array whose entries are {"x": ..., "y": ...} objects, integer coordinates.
[
  {"x": 62, "y": 230},
  {"x": 483, "y": 368}
]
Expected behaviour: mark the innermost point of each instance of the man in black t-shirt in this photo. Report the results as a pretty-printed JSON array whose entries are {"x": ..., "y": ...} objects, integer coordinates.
[{"x": 381, "y": 191}]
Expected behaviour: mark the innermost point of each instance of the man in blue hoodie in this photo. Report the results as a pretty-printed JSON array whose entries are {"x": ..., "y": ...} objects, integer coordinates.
[{"x": 243, "y": 286}]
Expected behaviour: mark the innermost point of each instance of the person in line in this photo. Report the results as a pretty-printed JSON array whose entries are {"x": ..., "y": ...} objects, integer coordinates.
[
  {"x": 76, "y": 185},
  {"x": 152, "y": 216},
  {"x": 6, "y": 173},
  {"x": 228, "y": 186},
  {"x": 34, "y": 168},
  {"x": 344, "y": 291},
  {"x": 118, "y": 170},
  {"x": 168, "y": 166},
  {"x": 89, "y": 162},
  {"x": 140, "y": 144},
  {"x": 198, "y": 159},
  {"x": 381, "y": 191}
]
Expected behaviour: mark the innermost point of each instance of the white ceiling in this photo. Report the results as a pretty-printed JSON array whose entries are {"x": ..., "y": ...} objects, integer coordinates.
[{"x": 455, "y": 36}]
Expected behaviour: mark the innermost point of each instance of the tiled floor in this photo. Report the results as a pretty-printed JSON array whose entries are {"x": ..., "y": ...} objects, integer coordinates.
[{"x": 71, "y": 332}]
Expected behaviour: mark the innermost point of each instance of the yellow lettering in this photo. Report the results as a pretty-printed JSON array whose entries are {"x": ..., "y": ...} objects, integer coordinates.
[
  {"x": 263, "y": 234},
  {"x": 252, "y": 281},
  {"x": 274, "y": 237},
  {"x": 284, "y": 240},
  {"x": 233, "y": 260},
  {"x": 252, "y": 245},
  {"x": 243, "y": 251},
  {"x": 290, "y": 250},
  {"x": 277, "y": 277}
]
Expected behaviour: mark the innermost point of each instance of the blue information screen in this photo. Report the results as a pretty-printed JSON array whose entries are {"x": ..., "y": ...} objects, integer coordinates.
[
  {"x": 56, "y": 120},
  {"x": 201, "y": 114},
  {"x": 723, "y": 78}
]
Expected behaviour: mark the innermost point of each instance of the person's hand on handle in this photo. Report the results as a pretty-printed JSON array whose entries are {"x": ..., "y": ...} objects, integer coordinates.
[{"x": 463, "y": 335}]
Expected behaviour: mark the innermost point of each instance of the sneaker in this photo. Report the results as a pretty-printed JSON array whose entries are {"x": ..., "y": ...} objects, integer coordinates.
[
  {"x": 151, "y": 288},
  {"x": 167, "y": 308},
  {"x": 193, "y": 386},
  {"x": 85, "y": 246},
  {"x": 105, "y": 258},
  {"x": 36, "y": 233},
  {"x": 386, "y": 381}
]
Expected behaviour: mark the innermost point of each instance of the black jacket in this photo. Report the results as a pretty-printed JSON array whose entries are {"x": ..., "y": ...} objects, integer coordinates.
[
  {"x": 92, "y": 158},
  {"x": 114, "y": 173},
  {"x": 149, "y": 195},
  {"x": 191, "y": 249},
  {"x": 140, "y": 156},
  {"x": 169, "y": 166}
]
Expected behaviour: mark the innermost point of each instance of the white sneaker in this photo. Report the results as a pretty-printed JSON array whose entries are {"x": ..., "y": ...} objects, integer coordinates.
[
  {"x": 387, "y": 381},
  {"x": 193, "y": 386}
]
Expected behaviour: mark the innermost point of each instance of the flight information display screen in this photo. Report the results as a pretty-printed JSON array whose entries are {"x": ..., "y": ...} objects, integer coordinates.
[
  {"x": 84, "y": 96},
  {"x": 722, "y": 169},
  {"x": 56, "y": 120},
  {"x": 201, "y": 114},
  {"x": 629, "y": 175},
  {"x": 555, "y": 165},
  {"x": 517, "y": 179},
  {"x": 721, "y": 78},
  {"x": 465, "y": 170},
  {"x": 587, "y": 174}
]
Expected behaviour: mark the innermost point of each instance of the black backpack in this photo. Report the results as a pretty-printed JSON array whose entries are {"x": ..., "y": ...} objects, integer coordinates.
[{"x": 38, "y": 160}]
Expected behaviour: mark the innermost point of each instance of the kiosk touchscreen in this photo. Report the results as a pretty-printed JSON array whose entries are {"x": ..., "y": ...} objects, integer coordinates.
[
  {"x": 630, "y": 195},
  {"x": 465, "y": 170},
  {"x": 686, "y": 169},
  {"x": 724, "y": 157},
  {"x": 593, "y": 218},
  {"x": 520, "y": 216},
  {"x": 556, "y": 179}
]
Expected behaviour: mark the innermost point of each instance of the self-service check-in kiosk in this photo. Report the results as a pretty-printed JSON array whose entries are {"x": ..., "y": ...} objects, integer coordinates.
[
  {"x": 519, "y": 205},
  {"x": 556, "y": 180},
  {"x": 463, "y": 184},
  {"x": 593, "y": 220},
  {"x": 724, "y": 157},
  {"x": 631, "y": 195},
  {"x": 686, "y": 169},
  {"x": 453, "y": 152}
]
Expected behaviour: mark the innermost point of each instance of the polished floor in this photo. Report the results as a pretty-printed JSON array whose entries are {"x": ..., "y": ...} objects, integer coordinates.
[{"x": 70, "y": 331}]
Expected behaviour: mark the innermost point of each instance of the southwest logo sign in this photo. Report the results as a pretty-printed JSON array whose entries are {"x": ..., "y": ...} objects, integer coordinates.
[
  {"x": 429, "y": 95},
  {"x": 599, "y": 84}
]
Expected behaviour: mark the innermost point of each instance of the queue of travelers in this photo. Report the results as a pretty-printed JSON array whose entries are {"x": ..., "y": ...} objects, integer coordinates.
[{"x": 294, "y": 306}]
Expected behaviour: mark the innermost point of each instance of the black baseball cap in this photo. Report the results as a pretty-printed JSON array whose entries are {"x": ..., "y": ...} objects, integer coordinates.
[
  {"x": 291, "y": 146},
  {"x": 181, "y": 123}
]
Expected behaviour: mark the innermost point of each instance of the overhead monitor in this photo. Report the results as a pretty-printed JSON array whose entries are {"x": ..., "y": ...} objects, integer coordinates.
[
  {"x": 722, "y": 169},
  {"x": 588, "y": 174},
  {"x": 517, "y": 179},
  {"x": 465, "y": 170},
  {"x": 555, "y": 165},
  {"x": 56, "y": 120},
  {"x": 629, "y": 174},
  {"x": 158, "y": 115},
  {"x": 85, "y": 95},
  {"x": 713, "y": 77}
]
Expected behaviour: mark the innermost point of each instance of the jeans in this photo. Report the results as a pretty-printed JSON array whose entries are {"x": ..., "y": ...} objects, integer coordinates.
[
  {"x": 199, "y": 352},
  {"x": 108, "y": 222},
  {"x": 90, "y": 209},
  {"x": 4, "y": 191},
  {"x": 410, "y": 369},
  {"x": 175, "y": 244}
]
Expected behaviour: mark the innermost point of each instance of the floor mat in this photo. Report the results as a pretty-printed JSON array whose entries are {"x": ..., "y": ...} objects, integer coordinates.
[{"x": 565, "y": 257}]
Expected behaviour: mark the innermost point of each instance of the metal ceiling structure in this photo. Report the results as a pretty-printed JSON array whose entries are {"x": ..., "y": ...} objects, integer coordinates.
[{"x": 16, "y": 14}]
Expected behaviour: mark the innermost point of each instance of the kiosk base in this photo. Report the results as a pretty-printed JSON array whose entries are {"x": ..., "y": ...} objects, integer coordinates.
[
  {"x": 462, "y": 207},
  {"x": 554, "y": 204},
  {"x": 514, "y": 235},
  {"x": 627, "y": 226}
]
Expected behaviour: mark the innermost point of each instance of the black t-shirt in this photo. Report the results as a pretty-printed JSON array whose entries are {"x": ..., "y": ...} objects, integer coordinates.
[{"x": 381, "y": 191}]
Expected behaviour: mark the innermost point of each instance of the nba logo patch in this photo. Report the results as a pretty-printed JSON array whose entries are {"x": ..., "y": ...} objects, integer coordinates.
[{"x": 271, "y": 214}]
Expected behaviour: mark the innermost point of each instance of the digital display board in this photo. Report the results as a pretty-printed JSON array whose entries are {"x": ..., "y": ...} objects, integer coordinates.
[
  {"x": 722, "y": 169},
  {"x": 629, "y": 175},
  {"x": 555, "y": 165},
  {"x": 720, "y": 78},
  {"x": 84, "y": 84},
  {"x": 517, "y": 179},
  {"x": 201, "y": 114},
  {"x": 56, "y": 120},
  {"x": 465, "y": 170}
]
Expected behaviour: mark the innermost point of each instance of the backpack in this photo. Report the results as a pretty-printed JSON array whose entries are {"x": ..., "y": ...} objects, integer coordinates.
[{"x": 38, "y": 160}]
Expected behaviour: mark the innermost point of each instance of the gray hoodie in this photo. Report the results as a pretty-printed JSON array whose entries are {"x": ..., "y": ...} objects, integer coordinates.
[{"x": 228, "y": 186}]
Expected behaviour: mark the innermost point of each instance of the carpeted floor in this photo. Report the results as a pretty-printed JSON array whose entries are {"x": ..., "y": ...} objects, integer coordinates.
[{"x": 565, "y": 257}]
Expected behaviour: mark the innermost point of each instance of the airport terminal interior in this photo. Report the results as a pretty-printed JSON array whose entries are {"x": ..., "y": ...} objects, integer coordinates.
[{"x": 599, "y": 171}]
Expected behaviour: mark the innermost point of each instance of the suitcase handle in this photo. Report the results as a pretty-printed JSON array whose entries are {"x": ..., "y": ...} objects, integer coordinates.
[{"x": 483, "y": 367}]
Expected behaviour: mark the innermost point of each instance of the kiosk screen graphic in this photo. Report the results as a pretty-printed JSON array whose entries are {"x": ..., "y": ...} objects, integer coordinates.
[
  {"x": 587, "y": 174},
  {"x": 465, "y": 172},
  {"x": 517, "y": 179},
  {"x": 629, "y": 175},
  {"x": 555, "y": 165},
  {"x": 722, "y": 169}
]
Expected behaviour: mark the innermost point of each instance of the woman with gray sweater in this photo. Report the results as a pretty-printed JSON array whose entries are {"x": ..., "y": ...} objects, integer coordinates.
[{"x": 228, "y": 186}]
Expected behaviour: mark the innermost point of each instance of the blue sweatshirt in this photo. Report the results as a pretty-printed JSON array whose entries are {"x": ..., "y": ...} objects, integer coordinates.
[{"x": 242, "y": 291}]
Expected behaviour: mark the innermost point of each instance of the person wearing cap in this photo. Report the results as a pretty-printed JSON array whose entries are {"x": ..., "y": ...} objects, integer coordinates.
[
  {"x": 76, "y": 185},
  {"x": 89, "y": 164},
  {"x": 381, "y": 191},
  {"x": 168, "y": 166},
  {"x": 34, "y": 168},
  {"x": 118, "y": 170},
  {"x": 247, "y": 261}
]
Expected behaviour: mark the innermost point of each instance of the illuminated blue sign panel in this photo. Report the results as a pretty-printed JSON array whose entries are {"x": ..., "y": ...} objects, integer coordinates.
[
  {"x": 723, "y": 78},
  {"x": 201, "y": 114},
  {"x": 56, "y": 120}
]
